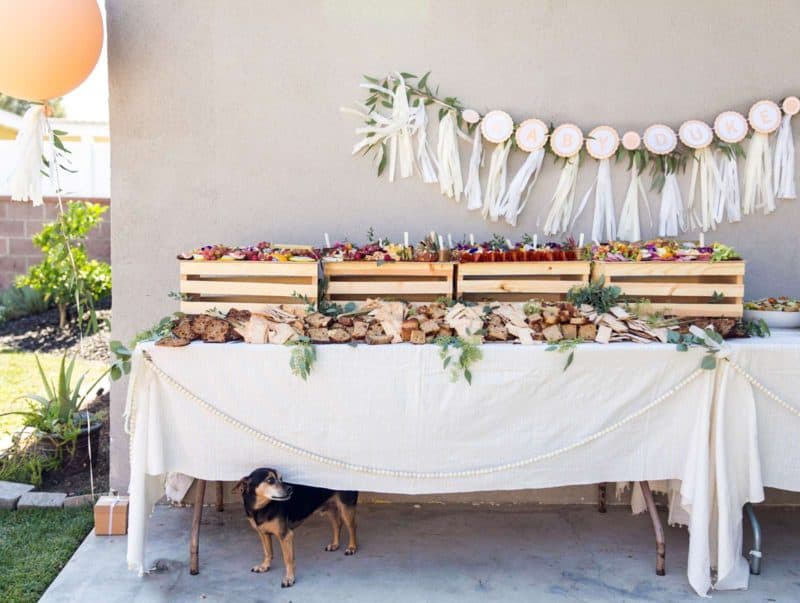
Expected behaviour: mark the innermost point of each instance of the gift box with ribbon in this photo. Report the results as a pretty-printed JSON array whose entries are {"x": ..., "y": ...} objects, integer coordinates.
[{"x": 111, "y": 516}]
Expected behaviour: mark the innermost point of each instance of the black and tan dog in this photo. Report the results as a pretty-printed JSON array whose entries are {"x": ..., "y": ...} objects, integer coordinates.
[{"x": 275, "y": 508}]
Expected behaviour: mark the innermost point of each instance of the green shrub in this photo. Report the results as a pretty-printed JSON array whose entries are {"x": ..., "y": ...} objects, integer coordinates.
[
  {"x": 66, "y": 270},
  {"x": 16, "y": 302}
]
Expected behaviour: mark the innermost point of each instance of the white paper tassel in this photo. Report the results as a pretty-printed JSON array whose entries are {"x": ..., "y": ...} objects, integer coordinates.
[
  {"x": 672, "y": 215},
  {"x": 450, "y": 182},
  {"x": 729, "y": 198},
  {"x": 496, "y": 181},
  {"x": 629, "y": 224},
  {"x": 705, "y": 176},
  {"x": 758, "y": 191},
  {"x": 401, "y": 150},
  {"x": 563, "y": 199},
  {"x": 26, "y": 179},
  {"x": 472, "y": 191},
  {"x": 516, "y": 197},
  {"x": 604, "y": 220},
  {"x": 425, "y": 161},
  {"x": 783, "y": 170}
]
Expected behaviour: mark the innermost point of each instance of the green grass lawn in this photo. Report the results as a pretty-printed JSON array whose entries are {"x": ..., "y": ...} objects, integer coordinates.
[
  {"x": 19, "y": 375},
  {"x": 35, "y": 544}
]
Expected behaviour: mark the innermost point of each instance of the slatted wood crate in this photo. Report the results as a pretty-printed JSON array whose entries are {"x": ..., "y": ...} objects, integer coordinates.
[
  {"x": 245, "y": 285},
  {"x": 519, "y": 281},
  {"x": 408, "y": 281},
  {"x": 679, "y": 288}
]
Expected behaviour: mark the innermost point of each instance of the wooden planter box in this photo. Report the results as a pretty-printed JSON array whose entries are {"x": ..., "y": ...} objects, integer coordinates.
[
  {"x": 245, "y": 285},
  {"x": 407, "y": 281},
  {"x": 519, "y": 281},
  {"x": 679, "y": 288}
]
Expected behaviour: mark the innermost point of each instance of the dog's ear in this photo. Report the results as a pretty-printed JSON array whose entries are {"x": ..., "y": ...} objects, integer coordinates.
[{"x": 241, "y": 485}]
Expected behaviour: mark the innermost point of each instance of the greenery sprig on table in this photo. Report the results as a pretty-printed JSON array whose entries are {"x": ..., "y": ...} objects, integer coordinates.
[
  {"x": 595, "y": 294},
  {"x": 459, "y": 355},
  {"x": 303, "y": 356},
  {"x": 565, "y": 346}
]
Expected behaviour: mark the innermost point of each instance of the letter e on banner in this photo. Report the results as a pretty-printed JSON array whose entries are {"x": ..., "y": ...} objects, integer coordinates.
[{"x": 765, "y": 116}]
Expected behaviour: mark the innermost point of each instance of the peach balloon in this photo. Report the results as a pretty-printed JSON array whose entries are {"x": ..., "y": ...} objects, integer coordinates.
[{"x": 47, "y": 47}]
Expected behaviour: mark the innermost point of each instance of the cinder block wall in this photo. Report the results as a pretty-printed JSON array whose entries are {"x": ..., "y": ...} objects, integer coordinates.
[{"x": 20, "y": 221}]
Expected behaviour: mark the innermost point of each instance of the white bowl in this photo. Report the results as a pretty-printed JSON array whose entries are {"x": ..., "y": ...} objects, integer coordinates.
[{"x": 775, "y": 320}]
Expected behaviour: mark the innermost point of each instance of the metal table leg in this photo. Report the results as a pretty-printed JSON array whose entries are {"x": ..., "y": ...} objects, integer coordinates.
[
  {"x": 601, "y": 498},
  {"x": 197, "y": 515},
  {"x": 657, "y": 528},
  {"x": 755, "y": 552}
]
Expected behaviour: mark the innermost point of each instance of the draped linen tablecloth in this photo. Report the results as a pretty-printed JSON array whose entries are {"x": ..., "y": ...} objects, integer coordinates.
[{"x": 390, "y": 419}]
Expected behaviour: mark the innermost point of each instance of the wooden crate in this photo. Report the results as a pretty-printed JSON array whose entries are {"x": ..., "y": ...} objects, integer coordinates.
[
  {"x": 519, "y": 281},
  {"x": 679, "y": 288},
  {"x": 245, "y": 285},
  {"x": 407, "y": 281}
]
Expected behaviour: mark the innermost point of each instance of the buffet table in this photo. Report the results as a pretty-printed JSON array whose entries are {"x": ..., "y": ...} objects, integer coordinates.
[{"x": 390, "y": 419}]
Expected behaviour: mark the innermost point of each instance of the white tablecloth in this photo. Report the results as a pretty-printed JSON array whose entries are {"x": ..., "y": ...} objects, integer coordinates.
[{"x": 389, "y": 419}]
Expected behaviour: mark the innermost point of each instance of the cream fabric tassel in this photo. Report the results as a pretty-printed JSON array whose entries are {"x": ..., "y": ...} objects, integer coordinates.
[
  {"x": 425, "y": 161},
  {"x": 758, "y": 191},
  {"x": 604, "y": 220},
  {"x": 783, "y": 169},
  {"x": 450, "y": 182},
  {"x": 472, "y": 191},
  {"x": 496, "y": 182},
  {"x": 729, "y": 198},
  {"x": 401, "y": 150},
  {"x": 26, "y": 179},
  {"x": 563, "y": 199},
  {"x": 521, "y": 184},
  {"x": 705, "y": 168},
  {"x": 672, "y": 215},
  {"x": 629, "y": 224}
]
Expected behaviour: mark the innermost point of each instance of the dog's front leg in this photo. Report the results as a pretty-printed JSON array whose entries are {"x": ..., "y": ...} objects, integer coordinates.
[
  {"x": 266, "y": 544},
  {"x": 287, "y": 548}
]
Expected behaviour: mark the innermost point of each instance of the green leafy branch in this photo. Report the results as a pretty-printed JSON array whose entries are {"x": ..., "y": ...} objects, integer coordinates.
[
  {"x": 707, "y": 338},
  {"x": 565, "y": 346},
  {"x": 458, "y": 355},
  {"x": 303, "y": 356},
  {"x": 595, "y": 294}
]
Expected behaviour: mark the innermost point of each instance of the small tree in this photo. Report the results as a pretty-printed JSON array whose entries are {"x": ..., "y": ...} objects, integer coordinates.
[{"x": 66, "y": 270}]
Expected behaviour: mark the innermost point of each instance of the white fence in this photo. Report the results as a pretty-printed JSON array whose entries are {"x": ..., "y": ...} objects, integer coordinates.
[{"x": 90, "y": 159}]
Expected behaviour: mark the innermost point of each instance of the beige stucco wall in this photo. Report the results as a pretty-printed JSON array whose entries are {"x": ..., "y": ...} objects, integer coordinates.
[{"x": 226, "y": 124}]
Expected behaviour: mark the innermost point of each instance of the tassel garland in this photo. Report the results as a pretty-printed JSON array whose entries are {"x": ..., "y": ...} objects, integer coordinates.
[
  {"x": 729, "y": 198},
  {"x": 450, "y": 182},
  {"x": 672, "y": 216},
  {"x": 758, "y": 191},
  {"x": 472, "y": 191},
  {"x": 519, "y": 189},
  {"x": 705, "y": 175},
  {"x": 26, "y": 179},
  {"x": 563, "y": 199},
  {"x": 629, "y": 223},
  {"x": 425, "y": 162},
  {"x": 783, "y": 168},
  {"x": 604, "y": 223},
  {"x": 496, "y": 181}
]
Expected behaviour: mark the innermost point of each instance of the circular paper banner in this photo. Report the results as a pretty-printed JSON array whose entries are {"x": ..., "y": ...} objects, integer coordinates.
[
  {"x": 731, "y": 127},
  {"x": 602, "y": 142},
  {"x": 471, "y": 116},
  {"x": 791, "y": 105},
  {"x": 531, "y": 135},
  {"x": 631, "y": 140},
  {"x": 497, "y": 126},
  {"x": 696, "y": 134},
  {"x": 660, "y": 139},
  {"x": 765, "y": 116},
  {"x": 566, "y": 140}
]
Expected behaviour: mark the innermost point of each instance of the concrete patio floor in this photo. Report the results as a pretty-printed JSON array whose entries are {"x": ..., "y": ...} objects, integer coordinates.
[{"x": 427, "y": 552}]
